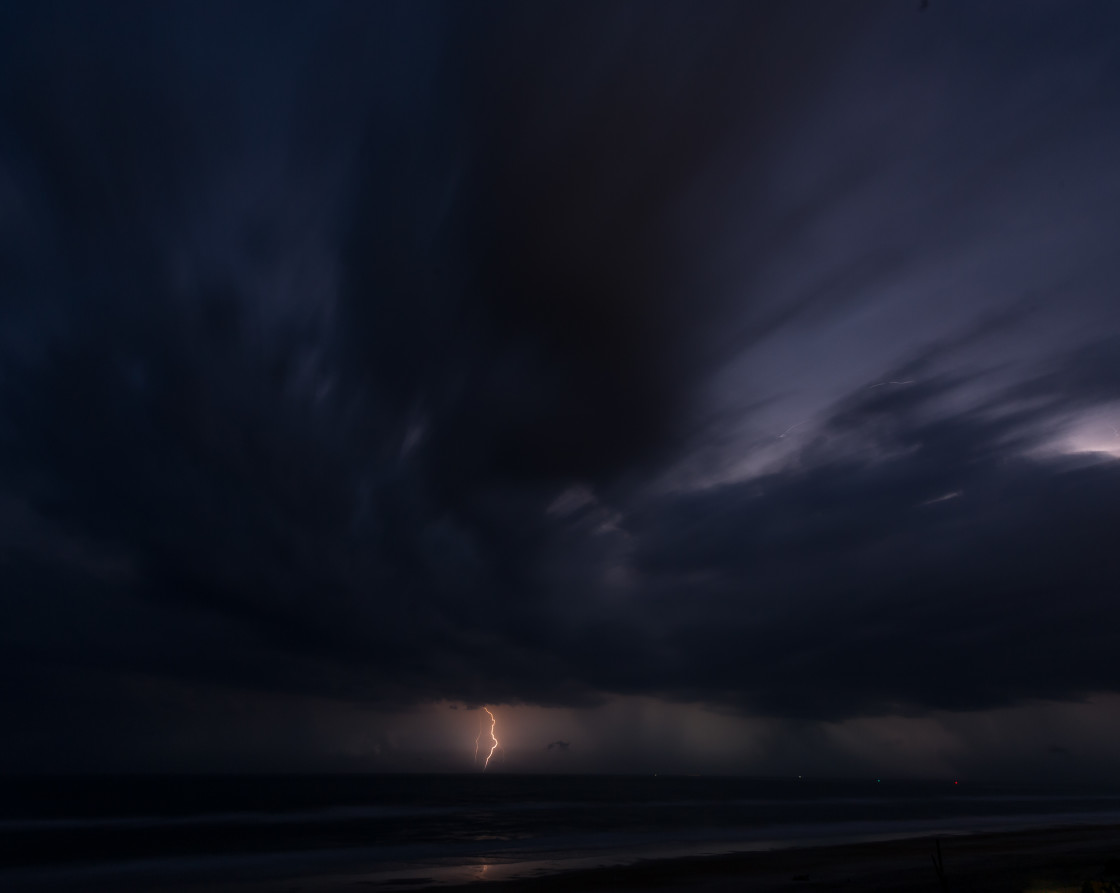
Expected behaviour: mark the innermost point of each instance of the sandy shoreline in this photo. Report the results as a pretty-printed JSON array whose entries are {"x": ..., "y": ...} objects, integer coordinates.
[
  {"x": 1054, "y": 859},
  {"x": 1042, "y": 860}
]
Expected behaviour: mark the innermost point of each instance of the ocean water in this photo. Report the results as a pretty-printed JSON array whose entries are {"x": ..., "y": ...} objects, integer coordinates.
[{"x": 398, "y": 832}]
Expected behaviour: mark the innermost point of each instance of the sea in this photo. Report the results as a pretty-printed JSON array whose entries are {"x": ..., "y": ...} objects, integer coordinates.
[{"x": 397, "y": 832}]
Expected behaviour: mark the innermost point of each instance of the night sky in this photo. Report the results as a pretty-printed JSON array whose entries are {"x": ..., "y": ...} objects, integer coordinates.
[{"x": 707, "y": 387}]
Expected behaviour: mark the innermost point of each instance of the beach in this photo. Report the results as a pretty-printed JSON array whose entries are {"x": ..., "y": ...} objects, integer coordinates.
[
  {"x": 320, "y": 834},
  {"x": 1049, "y": 860},
  {"x": 1057, "y": 859},
  {"x": 1084, "y": 859}
]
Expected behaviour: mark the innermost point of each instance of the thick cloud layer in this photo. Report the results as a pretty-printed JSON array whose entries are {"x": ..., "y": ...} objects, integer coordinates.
[
  {"x": 909, "y": 558},
  {"x": 400, "y": 353}
]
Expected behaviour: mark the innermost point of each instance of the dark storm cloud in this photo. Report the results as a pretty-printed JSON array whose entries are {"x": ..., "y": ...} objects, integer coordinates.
[
  {"x": 911, "y": 558},
  {"x": 341, "y": 346},
  {"x": 331, "y": 414}
]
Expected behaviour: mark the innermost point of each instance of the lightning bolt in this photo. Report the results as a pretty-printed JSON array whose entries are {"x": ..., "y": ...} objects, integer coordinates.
[{"x": 493, "y": 737}]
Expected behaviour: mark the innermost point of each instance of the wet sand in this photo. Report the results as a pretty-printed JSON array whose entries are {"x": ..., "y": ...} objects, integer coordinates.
[
  {"x": 1048, "y": 860},
  {"x": 1058, "y": 859}
]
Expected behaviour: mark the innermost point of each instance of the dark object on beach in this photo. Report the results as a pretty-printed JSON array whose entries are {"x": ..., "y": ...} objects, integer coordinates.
[
  {"x": 1108, "y": 882},
  {"x": 939, "y": 866}
]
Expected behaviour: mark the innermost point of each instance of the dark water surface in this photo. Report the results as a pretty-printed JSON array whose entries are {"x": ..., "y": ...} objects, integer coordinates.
[{"x": 143, "y": 831}]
